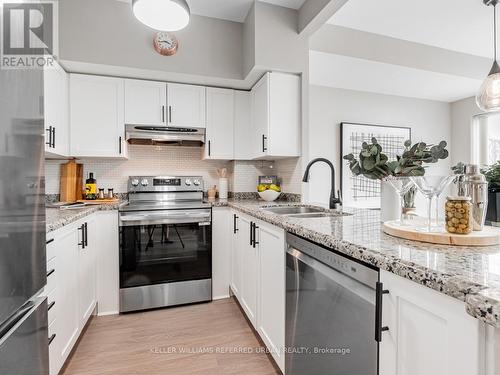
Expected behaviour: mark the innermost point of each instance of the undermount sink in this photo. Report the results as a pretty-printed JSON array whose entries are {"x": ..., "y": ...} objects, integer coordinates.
[
  {"x": 312, "y": 215},
  {"x": 294, "y": 210}
]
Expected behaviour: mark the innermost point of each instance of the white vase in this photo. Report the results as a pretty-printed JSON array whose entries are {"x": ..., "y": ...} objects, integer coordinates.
[{"x": 390, "y": 205}]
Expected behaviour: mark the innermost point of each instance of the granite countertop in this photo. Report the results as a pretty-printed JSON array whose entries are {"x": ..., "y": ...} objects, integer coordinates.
[
  {"x": 57, "y": 218},
  {"x": 471, "y": 275}
]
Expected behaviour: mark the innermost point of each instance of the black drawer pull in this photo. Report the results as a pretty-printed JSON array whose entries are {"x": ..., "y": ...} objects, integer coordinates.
[
  {"x": 82, "y": 228},
  {"x": 234, "y": 223},
  {"x": 379, "y": 329},
  {"x": 49, "y": 241},
  {"x": 51, "y": 338},
  {"x": 51, "y": 272},
  {"x": 51, "y": 305}
]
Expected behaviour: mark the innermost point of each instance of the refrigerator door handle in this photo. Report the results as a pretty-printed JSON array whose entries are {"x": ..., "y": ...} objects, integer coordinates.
[{"x": 16, "y": 318}]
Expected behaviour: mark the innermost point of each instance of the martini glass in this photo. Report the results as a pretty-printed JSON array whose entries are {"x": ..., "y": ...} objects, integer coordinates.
[
  {"x": 432, "y": 187},
  {"x": 401, "y": 185}
]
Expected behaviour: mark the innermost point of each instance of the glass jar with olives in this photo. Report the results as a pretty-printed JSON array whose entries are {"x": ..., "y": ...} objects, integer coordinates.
[{"x": 458, "y": 215}]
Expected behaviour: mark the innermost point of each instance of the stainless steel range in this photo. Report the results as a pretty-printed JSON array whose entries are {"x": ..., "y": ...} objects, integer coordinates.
[{"x": 165, "y": 243}]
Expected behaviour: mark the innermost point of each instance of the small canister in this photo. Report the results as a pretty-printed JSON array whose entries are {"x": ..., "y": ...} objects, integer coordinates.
[
  {"x": 101, "y": 193},
  {"x": 111, "y": 194},
  {"x": 458, "y": 215}
]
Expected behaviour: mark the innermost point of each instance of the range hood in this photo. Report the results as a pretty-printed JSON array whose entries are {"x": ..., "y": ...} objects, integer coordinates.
[{"x": 164, "y": 135}]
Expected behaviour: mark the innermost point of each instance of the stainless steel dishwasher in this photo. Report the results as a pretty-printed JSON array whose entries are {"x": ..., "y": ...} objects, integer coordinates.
[{"x": 333, "y": 312}]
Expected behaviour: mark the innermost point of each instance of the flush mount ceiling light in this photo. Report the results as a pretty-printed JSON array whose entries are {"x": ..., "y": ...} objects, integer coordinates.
[
  {"x": 164, "y": 15},
  {"x": 488, "y": 97}
]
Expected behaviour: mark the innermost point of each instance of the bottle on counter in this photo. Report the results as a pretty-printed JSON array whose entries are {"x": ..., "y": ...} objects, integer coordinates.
[{"x": 91, "y": 187}]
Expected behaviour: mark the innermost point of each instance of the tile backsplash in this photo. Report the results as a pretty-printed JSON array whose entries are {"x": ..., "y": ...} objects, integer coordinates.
[{"x": 175, "y": 160}]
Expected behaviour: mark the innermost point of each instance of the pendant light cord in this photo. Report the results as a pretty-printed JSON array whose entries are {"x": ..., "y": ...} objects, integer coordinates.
[{"x": 495, "y": 28}]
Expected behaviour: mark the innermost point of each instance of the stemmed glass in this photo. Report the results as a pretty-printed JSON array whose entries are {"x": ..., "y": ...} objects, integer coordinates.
[
  {"x": 430, "y": 187},
  {"x": 402, "y": 185}
]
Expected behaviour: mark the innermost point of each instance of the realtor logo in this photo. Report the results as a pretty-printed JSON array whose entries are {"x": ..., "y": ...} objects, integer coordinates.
[{"x": 27, "y": 34}]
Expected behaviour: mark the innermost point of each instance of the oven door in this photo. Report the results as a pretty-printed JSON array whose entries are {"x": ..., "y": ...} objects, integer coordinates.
[{"x": 165, "y": 247}]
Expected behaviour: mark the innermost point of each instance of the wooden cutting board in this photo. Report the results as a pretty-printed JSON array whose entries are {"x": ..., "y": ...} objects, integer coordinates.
[
  {"x": 488, "y": 237},
  {"x": 100, "y": 201},
  {"x": 71, "y": 182}
]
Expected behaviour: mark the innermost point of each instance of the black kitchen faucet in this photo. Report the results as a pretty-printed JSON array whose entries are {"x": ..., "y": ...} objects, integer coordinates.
[{"x": 334, "y": 201}]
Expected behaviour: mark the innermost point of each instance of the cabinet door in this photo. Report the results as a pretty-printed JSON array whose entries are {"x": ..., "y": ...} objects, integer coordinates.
[
  {"x": 86, "y": 271},
  {"x": 271, "y": 317},
  {"x": 145, "y": 102},
  {"x": 236, "y": 252},
  {"x": 249, "y": 271},
  {"x": 56, "y": 111},
  {"x": 243, "y": 128},
  {"x": 66, "y": 249},
  {"x": 220, "y": 124},
  {"x": 186, "y": 106},
  {"x": 221, "y": 252},
  {"x": 96, "y": 116},
  {"x": 260, "y": 120},
  {"x": 429, "y": 333}
]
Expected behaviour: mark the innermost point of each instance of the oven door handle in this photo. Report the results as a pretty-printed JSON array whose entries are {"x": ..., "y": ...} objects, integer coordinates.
[{"x": 135, "y": 220}]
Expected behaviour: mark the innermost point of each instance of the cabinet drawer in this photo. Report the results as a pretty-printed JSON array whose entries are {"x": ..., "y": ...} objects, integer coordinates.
[
  {"x": 51, "y": 276},
  {"x": 52, "y": 306},
  {"x": 53, "y": 340},
  {"x": 50, "y": 247}
]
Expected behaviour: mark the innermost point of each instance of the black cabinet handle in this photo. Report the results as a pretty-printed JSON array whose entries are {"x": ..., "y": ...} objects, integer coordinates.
[
  {"x": 255, "y": 227},
  {"x": 51, "y": 305},
  {"x": 209, "y": 148},
  {"x": 234, "y": 223},
  {"x": 53, "y": 137},
  {"x": 251, "y": 233},
  {"x": 170, "y": 114},
  {"x": 51, "y": 272},
  {"x": 51, "y": 338},
  {"x": 379, "y": 329},
  {"x": 120, "y": 145},
  {"x": 82, "y": 228},
  {"x": 49, "y": 241},
  {"x": 163, "y": 113},
  {"x": 86, "y": 235},
  {"x": 49, "y": 133},
  {"x": 264, "y": 138}
]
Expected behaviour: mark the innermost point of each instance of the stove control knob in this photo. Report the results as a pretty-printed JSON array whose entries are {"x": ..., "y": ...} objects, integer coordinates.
[
  {"x": 188, "y": 182},
  {"x": 144, "y": 182},
  {"x": 196, "y": 182},
  {"x": 135, "y": 182}
]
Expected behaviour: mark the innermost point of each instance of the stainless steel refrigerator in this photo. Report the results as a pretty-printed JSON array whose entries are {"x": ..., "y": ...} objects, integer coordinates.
[{"x": 23, "y": 313}]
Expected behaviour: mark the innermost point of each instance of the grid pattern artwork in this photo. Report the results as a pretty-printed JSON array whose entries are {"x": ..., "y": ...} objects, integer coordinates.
[{"x": 360, "y": 191}]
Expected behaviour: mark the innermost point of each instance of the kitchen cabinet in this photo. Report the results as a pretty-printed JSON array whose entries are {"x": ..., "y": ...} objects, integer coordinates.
[
  {"x": 186, "y": 106},
  {"x": 276, "y": 116},
  {"x": 429, "y": 333},
  {"x": 87, "y": 248},
  {"x": 56, "y": 116},
  {"x": 219, "y": 142},
  {"x": 249, "y": 269},
  {"x": 145, "y": 102},
  {"x": 235, "y": 279},
  {"x": 97, "y": 127},
  {"x": 221, "y": 252},
  {"x": 243, "y": 129},
  {"x": 271, "y": 316}
]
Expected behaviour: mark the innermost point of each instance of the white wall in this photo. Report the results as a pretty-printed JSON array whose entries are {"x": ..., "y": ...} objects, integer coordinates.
[
  {"x": 461, "y": 119},
  {"x": 430, "y": 122}
]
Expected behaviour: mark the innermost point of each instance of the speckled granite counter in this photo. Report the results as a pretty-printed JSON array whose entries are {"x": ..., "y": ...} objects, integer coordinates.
[
  {"x": 57, "y": 218},
  {"x": 471, "y": 275}
]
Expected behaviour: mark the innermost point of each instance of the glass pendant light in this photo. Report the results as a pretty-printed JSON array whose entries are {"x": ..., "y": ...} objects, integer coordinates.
[
  {"x": 163, "y": 15},
  {"x": 488, "y": 98}
]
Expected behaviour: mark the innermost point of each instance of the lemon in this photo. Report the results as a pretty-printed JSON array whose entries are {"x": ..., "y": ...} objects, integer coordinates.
[{"x": 275, "y": 188}]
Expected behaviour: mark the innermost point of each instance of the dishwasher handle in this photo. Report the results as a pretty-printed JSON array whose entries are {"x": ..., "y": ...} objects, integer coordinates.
[{"x": 379, "y": 294}]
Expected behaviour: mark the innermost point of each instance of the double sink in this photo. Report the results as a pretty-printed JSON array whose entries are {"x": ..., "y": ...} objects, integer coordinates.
[{"x": 301, "y": 211}]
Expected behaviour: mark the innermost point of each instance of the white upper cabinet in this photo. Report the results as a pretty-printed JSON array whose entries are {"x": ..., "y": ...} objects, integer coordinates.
[
  {"x": 219, "y": 142},
  {"x": 276, "y": 108},
  {"x": 243, "y": 129},
  {"x": 145, "y": 102},
  {"x": 56, "y": 111},
  {"x": 97, "y": 126},
  {"x": 186, "y": 106}
]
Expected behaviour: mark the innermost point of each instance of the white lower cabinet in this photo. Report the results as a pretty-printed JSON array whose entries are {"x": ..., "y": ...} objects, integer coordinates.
[
  {"x": 221, "y": 253},
  {"x": 235, "y": 251},
  {"x": 429, "y": 333},
  {"x": 249, "y": 270},
  {"x": 73, "y": 253}
]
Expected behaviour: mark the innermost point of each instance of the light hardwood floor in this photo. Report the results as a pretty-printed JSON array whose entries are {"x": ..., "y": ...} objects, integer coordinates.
[{"x": 138, "y": 343}]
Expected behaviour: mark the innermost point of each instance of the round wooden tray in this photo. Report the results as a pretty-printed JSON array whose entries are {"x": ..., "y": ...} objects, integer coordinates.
[{"x": 488, "y": 237}]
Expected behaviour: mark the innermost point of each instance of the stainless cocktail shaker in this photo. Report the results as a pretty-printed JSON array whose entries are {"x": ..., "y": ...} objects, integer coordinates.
[{"x": 473, "y": 184}]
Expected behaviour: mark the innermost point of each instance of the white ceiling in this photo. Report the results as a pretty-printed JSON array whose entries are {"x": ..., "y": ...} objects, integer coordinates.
[
  {"x": 232, "y": 10},
  {"x": 458, "y": 25},
  {"x": 364, "y": 75}
]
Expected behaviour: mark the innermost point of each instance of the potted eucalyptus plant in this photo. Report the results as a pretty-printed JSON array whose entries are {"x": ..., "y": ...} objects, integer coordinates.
[
  {"x": 372, "y": 163},
  {"x": 492, "y": 174}
]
